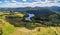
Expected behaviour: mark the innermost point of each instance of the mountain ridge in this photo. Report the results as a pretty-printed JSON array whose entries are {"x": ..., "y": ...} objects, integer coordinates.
[{"x": 55, "y": 8}]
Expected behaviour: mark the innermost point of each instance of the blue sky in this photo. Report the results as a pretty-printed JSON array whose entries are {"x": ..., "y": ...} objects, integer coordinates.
[
  {"x": 27, "y": 3},
  {"x": 21, "y": 0}
]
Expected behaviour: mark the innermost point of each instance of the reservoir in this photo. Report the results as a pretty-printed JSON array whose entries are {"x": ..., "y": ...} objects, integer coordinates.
[{"x": 29, "y": 17}]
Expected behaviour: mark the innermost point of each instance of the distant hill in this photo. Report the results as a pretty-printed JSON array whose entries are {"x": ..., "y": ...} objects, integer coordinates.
[
  {"x": 55, "y": 8},
  {"x": 45, "y": 11},
  {"x": 23, "y": 9},
  {"x": 41, "y": 12}
]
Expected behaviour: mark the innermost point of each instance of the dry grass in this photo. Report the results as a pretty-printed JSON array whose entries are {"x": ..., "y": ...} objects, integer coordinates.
[
  {"x": 43, "y": 31},
  {"x": 9, "y": 29}
]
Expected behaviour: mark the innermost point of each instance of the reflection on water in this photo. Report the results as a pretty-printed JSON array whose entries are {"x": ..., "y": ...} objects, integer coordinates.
[{"x": 29, "y": 17}]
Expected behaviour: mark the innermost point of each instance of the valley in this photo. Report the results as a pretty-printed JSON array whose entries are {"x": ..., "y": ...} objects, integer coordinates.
[{"x": 43, "y": 22}]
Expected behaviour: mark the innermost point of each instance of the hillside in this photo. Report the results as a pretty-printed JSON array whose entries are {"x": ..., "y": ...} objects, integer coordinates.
[{"x": 45, "y": 22}]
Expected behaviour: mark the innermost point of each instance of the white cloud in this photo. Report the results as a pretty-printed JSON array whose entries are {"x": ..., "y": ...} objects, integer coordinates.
[
  {"x": 27, "y": 4},
  {"x": 13, "y": 1},
  {"x": 24, "y": 0}
]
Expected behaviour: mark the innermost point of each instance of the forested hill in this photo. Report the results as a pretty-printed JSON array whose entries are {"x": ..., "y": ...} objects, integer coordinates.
[
  {"x": 44, "y": 16},
  {"x": 23, "y": 9}
]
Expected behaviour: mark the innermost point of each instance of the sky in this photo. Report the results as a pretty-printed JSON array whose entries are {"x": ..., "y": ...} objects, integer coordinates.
[{"x": 28, "y": 3}]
